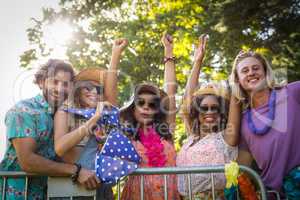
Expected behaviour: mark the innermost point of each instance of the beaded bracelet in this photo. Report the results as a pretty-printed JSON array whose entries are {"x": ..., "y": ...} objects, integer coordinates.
[
  {"x": 74, "y": 177},
  {"x": 167, "y": 59}
]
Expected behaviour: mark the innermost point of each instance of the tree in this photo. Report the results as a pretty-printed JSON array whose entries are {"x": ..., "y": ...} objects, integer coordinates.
[{"x": 271, "y": 27}]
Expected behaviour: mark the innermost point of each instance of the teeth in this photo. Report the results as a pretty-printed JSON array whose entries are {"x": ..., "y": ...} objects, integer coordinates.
[
  {"x": 92, "y": 98},
  {"x": 209, "y": 118},
  {"x": 253, "y": 80}
]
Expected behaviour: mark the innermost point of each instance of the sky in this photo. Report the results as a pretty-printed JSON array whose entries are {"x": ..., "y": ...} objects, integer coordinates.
[{"x": 15, "y": 82}]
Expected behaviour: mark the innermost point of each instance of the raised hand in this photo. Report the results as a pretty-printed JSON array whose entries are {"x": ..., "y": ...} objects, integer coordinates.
[
  {"x": 167, "y": 41},
  {"x": 99, "y": 109},
  {"x": 92, "y": 122},
  {"x": 200, "y": 51},
  {"x": 119, "y": 45},
  {"x": 111, "y": 83}
]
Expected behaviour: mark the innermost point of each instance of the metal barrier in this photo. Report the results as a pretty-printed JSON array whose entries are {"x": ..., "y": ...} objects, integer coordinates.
[
  {"x": 7, "y": 174},
  {"x": 196, "y": 170},
  {"x": 149, "y": 171}
]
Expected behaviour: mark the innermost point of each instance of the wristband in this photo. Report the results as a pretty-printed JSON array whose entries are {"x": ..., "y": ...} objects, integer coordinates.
[
  {"x": 74, "y": 177},
  {"x": 168, "y": 59}
]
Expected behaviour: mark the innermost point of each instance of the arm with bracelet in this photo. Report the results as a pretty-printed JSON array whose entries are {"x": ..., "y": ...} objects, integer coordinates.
[
  {"x": 170, "y": 84},
  {"x": 193, "y": 83}
]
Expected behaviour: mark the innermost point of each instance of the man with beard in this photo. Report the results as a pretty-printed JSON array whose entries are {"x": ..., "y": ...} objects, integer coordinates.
[{"x": 30, "y": 136}]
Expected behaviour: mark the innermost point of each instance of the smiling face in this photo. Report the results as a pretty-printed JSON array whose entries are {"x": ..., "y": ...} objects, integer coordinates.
[
  {"x": 209, "y": 113},
  {"x": 90, "y": 94},
  {"x": 56, "y": 88},
  {"x": 251, "y": 74},
  {"x": 145, "y": 109}
]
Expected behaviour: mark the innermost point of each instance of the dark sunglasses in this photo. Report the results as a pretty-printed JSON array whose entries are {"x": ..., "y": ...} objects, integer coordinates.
[
  {"x": 90, "y": 87},
  {"x": 153, "y": 104},
  {"x": 206, "y": 109}
]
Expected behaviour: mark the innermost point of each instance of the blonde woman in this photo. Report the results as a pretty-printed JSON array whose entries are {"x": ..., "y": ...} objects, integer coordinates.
[
  {"x": 74, "y": 136},
  {"x": 270, "y": 123}
]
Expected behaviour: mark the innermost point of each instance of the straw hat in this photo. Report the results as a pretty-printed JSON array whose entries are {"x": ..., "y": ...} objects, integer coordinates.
[
  {"x": 209, "y": 89},
  {"x": 213, "y": 89},
  {"x": 92, "y": 74}
]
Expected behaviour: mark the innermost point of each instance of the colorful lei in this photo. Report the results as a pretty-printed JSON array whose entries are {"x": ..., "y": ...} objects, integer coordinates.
[
  {"x": 154, "y": 147},
  {"x": 238, "y": 181},
  {"x": 271, "y": 117}
]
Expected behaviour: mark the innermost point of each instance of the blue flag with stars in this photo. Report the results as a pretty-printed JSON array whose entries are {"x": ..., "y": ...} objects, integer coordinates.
[
  {"x": 109, "y": 116},
  {"x": 118, "y": 157}
]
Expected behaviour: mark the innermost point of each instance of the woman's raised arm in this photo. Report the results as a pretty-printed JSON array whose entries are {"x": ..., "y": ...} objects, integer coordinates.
[
  {"x": 232, "y": 131},
  {"x": 193, "y": 82},
  {"x": 111, "y": 80},
  {"x": 170, "y": 83}
]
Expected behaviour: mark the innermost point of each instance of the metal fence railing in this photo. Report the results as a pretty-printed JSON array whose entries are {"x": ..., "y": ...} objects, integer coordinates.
[
  {"x": 197, "y": 170},
  {"x": 10, "y": 174},
  {"x": 62, "y": 186}
]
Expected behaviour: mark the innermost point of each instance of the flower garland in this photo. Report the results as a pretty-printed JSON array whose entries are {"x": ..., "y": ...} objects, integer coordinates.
[
  {"x": 271, "y": 117},
  {"x": 238, "y": 181},
  {"x": 247, "y": 189},
  {"x": 154, "y": 147}
]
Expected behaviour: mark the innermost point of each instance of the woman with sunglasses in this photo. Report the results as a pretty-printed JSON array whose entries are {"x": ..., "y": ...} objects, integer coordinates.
[
  {"x": 151, "y": 112},
  {"x": 210, "y": 141},
  {"x": 74, "y": 136},
  {"x": 270, "y": 123}
]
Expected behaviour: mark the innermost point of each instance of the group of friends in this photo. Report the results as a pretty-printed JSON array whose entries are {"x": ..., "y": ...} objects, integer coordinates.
[{"x": 254, "y": 120}]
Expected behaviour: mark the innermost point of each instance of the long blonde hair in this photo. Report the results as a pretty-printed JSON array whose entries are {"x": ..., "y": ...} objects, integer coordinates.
[{"x": 237, "y": 90}]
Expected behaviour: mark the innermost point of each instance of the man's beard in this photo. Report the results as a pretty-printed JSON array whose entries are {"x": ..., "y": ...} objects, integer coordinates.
[{"x": 57, "y": 102}]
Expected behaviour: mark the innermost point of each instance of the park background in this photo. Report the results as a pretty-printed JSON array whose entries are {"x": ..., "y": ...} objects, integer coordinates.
[{"x": 82, "y": 31}]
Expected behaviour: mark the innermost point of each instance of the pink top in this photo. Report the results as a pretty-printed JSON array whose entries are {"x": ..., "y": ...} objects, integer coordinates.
[{"x": 210, "y": 150}]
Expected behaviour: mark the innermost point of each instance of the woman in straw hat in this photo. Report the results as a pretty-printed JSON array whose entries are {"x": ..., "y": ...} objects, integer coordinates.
[
  {"x": 151, "y": 112},
  {"x": 209, "y": 141},
  {"x": 270, "y": 124},
  {"x": 74, "y": 136}
]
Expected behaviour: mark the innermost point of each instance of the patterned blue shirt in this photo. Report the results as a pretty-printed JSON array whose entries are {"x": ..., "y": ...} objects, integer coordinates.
[{"x": 30, "y": 118}]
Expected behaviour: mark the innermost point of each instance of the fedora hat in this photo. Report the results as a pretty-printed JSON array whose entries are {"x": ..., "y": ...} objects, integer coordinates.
[{"x": 97, "y": 75}]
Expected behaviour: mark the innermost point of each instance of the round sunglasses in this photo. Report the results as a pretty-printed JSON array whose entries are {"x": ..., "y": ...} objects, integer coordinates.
[
  {"x": 89, "y": 87},
  {"x": 152, "y": 104},
  {"x": 212, "y": 109}
]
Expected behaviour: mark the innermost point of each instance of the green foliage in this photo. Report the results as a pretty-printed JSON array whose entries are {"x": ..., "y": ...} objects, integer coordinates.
[{"x": 272, "y": 27}]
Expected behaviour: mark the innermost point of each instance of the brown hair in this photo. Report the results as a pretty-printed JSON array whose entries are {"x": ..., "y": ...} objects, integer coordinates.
[
  {"x": 51, "y": 67},
  {"x": 160, "y": 119}
]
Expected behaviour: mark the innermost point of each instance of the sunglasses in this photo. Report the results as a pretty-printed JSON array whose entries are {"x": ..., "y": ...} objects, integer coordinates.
[
  {"x": 91, "y": 87},
  {"x": 153, "y": 104},
  {"x": 211, "y": 109}
]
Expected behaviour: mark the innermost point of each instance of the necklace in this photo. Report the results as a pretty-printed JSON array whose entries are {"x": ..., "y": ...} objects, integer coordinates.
[
  {"x": 154, "y": 147},
  {"x": 270, "y": 116}
]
